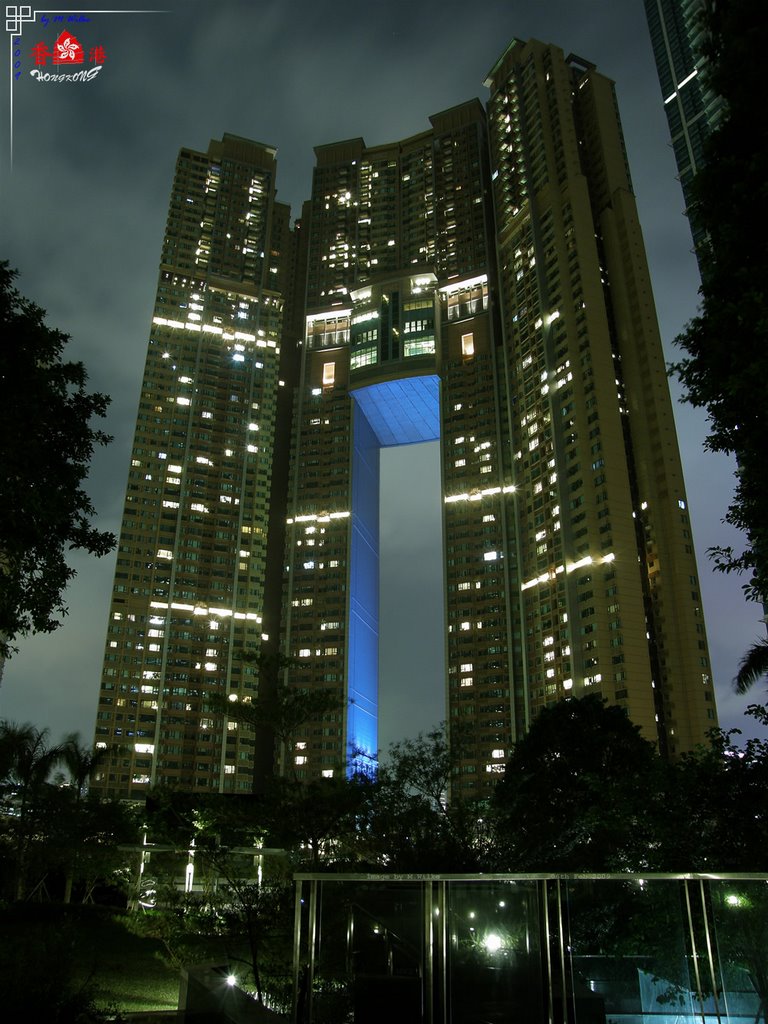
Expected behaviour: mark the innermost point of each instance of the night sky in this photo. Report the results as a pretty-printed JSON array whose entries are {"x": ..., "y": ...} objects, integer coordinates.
[{"x": 82, "y": 215}]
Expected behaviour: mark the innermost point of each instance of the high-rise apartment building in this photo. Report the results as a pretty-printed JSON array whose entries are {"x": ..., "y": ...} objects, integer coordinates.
[
  {"x": 691, "y": 106},
  {"x": 198, "y": 572},
  {"x": 483, "y": 284}
]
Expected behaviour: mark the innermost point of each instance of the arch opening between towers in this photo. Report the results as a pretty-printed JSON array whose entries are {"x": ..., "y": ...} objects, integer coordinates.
[{"x": 388, "y": 414}]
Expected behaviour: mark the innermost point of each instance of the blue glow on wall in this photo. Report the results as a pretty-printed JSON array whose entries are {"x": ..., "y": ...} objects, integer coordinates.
[
  {"x": 402, "y": 411},
  {"x": 385, "y": 415}
]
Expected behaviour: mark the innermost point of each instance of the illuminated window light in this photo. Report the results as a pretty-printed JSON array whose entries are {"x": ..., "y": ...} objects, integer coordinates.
[{"x": 456, "y": 286}]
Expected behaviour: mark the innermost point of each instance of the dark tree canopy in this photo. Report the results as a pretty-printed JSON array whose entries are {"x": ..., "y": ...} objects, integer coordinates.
[
  {"x": 46, "y": 446},
  {"x": 579, "y": 793},
  {"x": 726, "y": 364}
]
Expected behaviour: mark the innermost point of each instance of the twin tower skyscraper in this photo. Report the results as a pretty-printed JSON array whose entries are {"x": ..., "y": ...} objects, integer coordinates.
[{"x": 483, "y": 284}]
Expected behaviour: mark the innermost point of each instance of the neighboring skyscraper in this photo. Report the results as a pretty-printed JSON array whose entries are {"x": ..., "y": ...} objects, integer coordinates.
[
  {"x": 483, "y": 283},
  {"x": 691, "y": 107},
  {"x": 198, "y": 569}
]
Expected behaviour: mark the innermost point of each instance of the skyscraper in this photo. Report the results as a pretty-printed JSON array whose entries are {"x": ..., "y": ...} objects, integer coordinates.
[
  {"x": 692, "y": 108},
  {"x": 198, "y": 582},
  {"x": 483, "y": 284}
]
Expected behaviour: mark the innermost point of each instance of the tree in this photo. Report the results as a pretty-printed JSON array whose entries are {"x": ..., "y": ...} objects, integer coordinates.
[
  {"x": 80, "y": 762},
  {"x": 28, "y": 761},
  {"x": 752, "y": 667},
  {"x": 46, "y": 446},
  {"x": 726, "y": 345},
  {"x": 583, "y": 791},
  {"x": 410, "y": 822},
  {"x": 279, "y": 709},
  {"x": 716, "y": 807},
  {"x": 53, "y": 832}
]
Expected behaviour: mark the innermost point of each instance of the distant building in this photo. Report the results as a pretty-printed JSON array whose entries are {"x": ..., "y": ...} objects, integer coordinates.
[
  {"x": 483, "y": 283},
  {"x": 692, "y": 108}
]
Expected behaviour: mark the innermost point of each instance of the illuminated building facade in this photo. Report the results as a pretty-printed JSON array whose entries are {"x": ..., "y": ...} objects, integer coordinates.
[
  {"x": 692, "y": 108},
  {"x": 198, "y": 569},
  {"x": 483, "y": 284}
]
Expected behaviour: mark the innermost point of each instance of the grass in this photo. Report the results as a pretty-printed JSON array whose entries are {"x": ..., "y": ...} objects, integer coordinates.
[{"x": 52, "y": 956}]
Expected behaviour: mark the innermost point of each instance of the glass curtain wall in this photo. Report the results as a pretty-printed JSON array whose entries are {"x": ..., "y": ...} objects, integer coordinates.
[{"x": 618, "y": 949}]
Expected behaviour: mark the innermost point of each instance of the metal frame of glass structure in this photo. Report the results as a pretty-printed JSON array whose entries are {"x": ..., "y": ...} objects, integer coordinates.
[{"x": 587, "y": 949}]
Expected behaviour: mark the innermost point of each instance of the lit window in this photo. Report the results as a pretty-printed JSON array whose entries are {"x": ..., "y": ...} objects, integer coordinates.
[
  {"x": 329, "y": 374},
  {"x": 467, "y": 345}
]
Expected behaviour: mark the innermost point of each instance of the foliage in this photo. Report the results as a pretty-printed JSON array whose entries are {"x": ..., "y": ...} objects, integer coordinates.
[
  {"x": 41, "y": 974},
  {"x": 280, "y": 709},
  {"x": 584, "y": 792},
  {"x": 716, "y": 813},
  {"x": 76, "y": 964},
  {"x": 233, "y": 920},
  {"x": 752, "y": 667},
  {"x": 53, "y": 834},
  {"x": 319, "y": 820},
  {"x": 579, "y": 793},
  {"x": 726, "y": 345},
  {"x": 47, "y": 444}
]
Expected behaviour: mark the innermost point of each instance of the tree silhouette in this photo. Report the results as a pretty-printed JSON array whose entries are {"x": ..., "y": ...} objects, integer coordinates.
[{"x": 46, "y": 446}]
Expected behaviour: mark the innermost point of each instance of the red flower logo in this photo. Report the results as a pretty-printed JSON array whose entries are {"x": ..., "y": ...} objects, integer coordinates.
[{"x": 67, "y": 50}]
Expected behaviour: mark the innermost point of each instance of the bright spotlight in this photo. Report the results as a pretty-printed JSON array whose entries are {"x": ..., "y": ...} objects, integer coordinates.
[
  {"x": 231, "y": 980},
  {"x": 492, "y": 942}
]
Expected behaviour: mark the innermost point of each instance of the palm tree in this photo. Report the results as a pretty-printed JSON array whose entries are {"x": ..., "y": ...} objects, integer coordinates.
[
  {"x": 81, "y": 762},
  {"x": 26, "y": 762},
  {"x": 752, "y": 667}
]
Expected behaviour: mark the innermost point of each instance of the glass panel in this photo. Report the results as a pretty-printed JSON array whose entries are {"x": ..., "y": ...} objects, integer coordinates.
[
  {"x": 370, "y": 953},
  {"x": 493, "y": 952},
  {"x": 739, "y": 912},
  {"x": 626, "y": 958}
]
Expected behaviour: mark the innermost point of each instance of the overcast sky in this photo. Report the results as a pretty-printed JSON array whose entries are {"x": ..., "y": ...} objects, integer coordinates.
[{"x": 84, "y": 202}]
